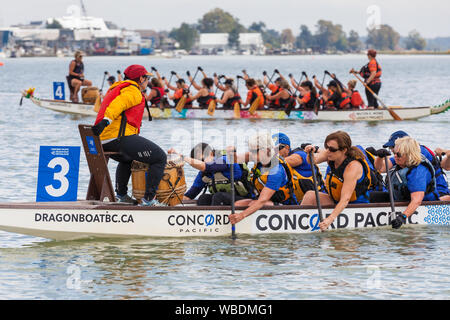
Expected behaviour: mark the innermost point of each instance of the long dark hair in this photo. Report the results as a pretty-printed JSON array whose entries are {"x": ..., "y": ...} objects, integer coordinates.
[
  {"x": 308, "y": 84},
  {"x": 201, "y": 151}
]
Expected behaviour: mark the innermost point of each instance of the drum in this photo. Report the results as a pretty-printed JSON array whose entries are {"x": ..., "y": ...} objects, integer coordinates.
[
  {"x": 89, "y": 94},
  {"x": 172, "y": 186}
]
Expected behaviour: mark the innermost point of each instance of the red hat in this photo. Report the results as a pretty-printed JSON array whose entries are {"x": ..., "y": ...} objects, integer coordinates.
[{"x": 135, "y": 71}]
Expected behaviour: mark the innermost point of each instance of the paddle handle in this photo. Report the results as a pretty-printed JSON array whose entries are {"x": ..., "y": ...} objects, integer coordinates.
[
  {"x": 388, "y": 176},
  {"x": 370, "y": 90},
  {"x": 233, "y": 227},
  {"x": 316, "y": 188}
]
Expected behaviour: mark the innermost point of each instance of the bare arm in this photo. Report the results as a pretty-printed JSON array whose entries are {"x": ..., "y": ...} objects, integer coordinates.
[
  {"x": 416, "y": 200},
  {"x": 294, "y": 160},
  {"x": 263, "y": 199},
  {"x": 227, "y": 95},
  {"x": 445, "y": 163}
]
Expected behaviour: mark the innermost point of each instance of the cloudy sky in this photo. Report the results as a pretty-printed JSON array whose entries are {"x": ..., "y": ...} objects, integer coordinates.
[{"x": 430, "y": 17}]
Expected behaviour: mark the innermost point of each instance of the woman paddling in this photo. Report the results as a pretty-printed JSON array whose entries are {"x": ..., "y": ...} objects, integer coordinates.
[
  {"x": 347, "y": 178},
  {"x": 230, "y": 95},
  {"x": 205, "y": 92}
]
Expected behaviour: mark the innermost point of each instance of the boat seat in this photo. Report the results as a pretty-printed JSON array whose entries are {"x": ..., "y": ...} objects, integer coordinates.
[{"x": 100, "y": 185}]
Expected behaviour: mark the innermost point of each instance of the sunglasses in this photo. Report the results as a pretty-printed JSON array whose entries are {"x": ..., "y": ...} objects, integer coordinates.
[
  {"x": 281, "y": 146},
  {"x": 398, "y": 154},
  {"x": 331, "y": 149}
]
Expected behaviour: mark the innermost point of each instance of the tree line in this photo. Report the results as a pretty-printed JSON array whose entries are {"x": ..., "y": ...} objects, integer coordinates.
[{"x": 327, "y": 36}]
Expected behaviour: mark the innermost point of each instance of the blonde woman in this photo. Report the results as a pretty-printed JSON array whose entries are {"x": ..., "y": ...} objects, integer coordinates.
[
  {"x": 76, "y": 76},
  {"x": 412, "y": 178}
]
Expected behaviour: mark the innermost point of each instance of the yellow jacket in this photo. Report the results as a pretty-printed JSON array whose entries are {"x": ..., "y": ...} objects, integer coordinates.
[{"x": 129, "y": 96}]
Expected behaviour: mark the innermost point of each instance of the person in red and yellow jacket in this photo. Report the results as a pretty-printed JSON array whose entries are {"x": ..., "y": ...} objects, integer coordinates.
[
  {"x": 371, "y": 73},
  {"x": 118, "y": 124}
]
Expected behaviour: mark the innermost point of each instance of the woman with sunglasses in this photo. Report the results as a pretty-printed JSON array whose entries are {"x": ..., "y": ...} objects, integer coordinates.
[
  {"x": 347, "y": 178},
  {"x": 271, "y": 177},
  {"x": 412, "y": 178}
]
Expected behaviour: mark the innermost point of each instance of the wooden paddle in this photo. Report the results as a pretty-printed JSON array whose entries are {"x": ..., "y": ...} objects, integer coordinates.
[
  {"x": 213, "y": 103},
  {"x": 391, "y": 112},
  {"x": 237, "y": 106},
  {"x": 316, "y": 189},
  {"x": 254, "y": 105},
  {"x": 233, "y": 227},
  {"x": 182, "y": 102}
]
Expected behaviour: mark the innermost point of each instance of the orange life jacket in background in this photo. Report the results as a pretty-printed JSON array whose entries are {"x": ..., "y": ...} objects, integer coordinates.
[{"x": 355, "y": 100}]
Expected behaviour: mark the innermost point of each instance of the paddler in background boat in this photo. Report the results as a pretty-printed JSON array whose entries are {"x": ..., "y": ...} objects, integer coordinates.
[
  {"x": 299, "y": 162},
  {"x": 351, "y": 97},
  {"x": 205, "y": 91},
  {"x": 118, "y": 124},
  {"x": 214, "y": 175},
  {"x": 280, "y": 98},
  {"x": 157, "y": 95},
  {"x": 273, "y": 98},
  {"x": 439, "y": 174},
  {"x": 445, "y": 162},
  {"x": 308, "y": 96},
  {"x": 230, "y": 95},
  {"x": 76, "y": 75},
  {"x": 180, "y": 88},
  {"x": 371, "y": 73},
  {"x": 347, "y": 177},
  {"x": 412, "y": 178},
  {"x": 271, "y": 177},
  {"x": 253, "y": 93}
]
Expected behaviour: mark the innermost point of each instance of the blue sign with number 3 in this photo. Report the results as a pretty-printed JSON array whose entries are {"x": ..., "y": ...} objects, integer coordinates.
[
  {"x": 58, "y": 91},
  {"x": 58, "y": 173}
]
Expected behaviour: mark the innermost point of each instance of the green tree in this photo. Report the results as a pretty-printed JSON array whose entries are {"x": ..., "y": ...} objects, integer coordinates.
[
  {"x": 287, "y": 37},
  {"x": 233, "y": 37},
  {"x": 218, "y": 21},
  {"x": 186, "y": 35},
  {"x": 354, "y": 44},
  {"x": 330, "y": 36},
  {"x": 271, "y": 37},
  {"x": 54, "y": 25},
  {"x": 305, "y": 39},
  {"x": 415, "y": 41},
  {"x": 383, "y": 38}
]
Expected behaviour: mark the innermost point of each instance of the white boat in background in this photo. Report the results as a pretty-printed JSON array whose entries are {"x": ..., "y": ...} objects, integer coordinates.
[
  {"x": 95, "y": 219},
  {"x": 198, "y": 113}
]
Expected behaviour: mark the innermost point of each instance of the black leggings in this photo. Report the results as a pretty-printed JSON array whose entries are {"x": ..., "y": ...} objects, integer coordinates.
[
  {"x": 137, "y": 148},
  {"x": 371, "y": 100},
  {"x": 217, "y": 199}
]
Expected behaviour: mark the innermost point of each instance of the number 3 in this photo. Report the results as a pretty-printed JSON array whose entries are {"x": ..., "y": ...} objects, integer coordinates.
[{"x": 59, "y": 176}]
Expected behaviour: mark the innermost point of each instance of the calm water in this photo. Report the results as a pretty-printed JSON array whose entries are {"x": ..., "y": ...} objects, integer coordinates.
[{"x": 409, "y": 263}]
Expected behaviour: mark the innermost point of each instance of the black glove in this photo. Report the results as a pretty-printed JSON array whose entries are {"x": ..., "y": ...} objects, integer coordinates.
[
  {"x": 154, "y": 69},
  {"x": 372, "y": 150},
  {"x": 185, "y": 91},
  {"x": 294, "y": 95},
  {"x": 99, "y": 127},
  {"x": 382, "y": 153},
  {"x": 166, "y": 90},
  {"x": 264, "y": 73},
  {"x": 314, "y": 76},
  {"x": 118, "y": 72},
  {"x": 173, "y": 72},
  {"x": 304, "y": 73},
  {"x": 221, "y": 76},
  {"x": 398, "y": 221},
  {"x": 188, "y": 73},
  {"x": 106, "y": 72},
  {"x": 303, "y": 145},
  {"x": 200, "y": 68},
  {"x": 276, "y": 71},
  {"x": 290, "y": 75}
]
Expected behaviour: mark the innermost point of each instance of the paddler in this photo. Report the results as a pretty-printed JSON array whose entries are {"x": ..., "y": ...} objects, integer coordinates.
[
  {"x": 76, "y": 75},
  {"x": 214, "y": 175},
  {"x": 230, "y": 95},
  {"x": 180, "y": 89},
  {"x": 253, "y": 93},
  {"x": 280, "y": 97},
  {"x": 347, "y": 177},
  {"x": 412, "y": 178},
  {"x": 298, "y": 159},
  {"x": 205, "y": 91},
  {"x": 371, "y": 73},
  {"x": 308, "y": 96},
  {"x": 157, "y": 93},
  {"x": 271, "y": 177},
  {"x": 118, "y": 124},
  {"x": 439, "y": 174}
]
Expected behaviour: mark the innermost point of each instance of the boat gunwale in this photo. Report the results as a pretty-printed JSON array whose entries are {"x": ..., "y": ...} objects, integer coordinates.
[{"x": 97, "y": 205}]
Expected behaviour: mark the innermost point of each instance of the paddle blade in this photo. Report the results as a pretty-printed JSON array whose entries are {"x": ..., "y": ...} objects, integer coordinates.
[
  {"x": 394, "y": 115},
  {"x": 98, "y": 103},
  {"x": 212, "y": 107},
  {"x": 237, "y": 110},
  {"x": 254, "y": 105},
  {"x": 181, "y": 103}
]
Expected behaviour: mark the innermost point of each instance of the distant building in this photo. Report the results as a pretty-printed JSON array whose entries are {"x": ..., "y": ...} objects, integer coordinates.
[{"x": 250, "y": 43}]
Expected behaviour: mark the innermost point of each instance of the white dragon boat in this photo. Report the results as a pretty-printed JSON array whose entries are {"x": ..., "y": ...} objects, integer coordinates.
[
  {"x": 96, "y": 219},
  {"x": 199, "y": 113}
]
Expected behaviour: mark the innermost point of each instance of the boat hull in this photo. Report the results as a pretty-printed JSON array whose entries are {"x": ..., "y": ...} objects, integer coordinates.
[
  {"x": 79, "y": 220},
  {"x": 197, "y": 113}
]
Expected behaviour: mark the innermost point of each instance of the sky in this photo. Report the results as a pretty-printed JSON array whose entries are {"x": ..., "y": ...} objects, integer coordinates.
[{"x": 430, "y": 17}]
